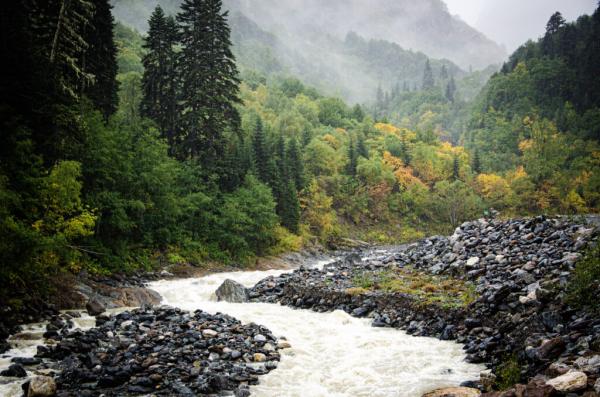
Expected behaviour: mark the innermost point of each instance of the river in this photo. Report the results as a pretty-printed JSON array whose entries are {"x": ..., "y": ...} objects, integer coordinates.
[{"x": 332, "y": 354}]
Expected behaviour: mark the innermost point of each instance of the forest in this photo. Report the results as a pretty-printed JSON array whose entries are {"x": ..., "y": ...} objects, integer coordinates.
[{"x": 121, "y": 151}]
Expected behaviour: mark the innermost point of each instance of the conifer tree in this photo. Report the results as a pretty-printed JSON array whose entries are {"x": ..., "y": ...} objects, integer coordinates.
[
  {"x": 100, "y": 60},
  {"x": 209, "y": 80},
  {"x": 352, "y": 159},
  {"x": 444, "y": 73},
  {"x": 451, "y": 90},
  {"x": 290, "y": 207},
  {"x": 259, "y": 147},
  {"x": 476, "y": 162},
  {"x": 428, "y": 80},
  {"x": 456, "y": 169},
  {"x": 295, "y": 164},
  {"x": 159, "y": 82}
]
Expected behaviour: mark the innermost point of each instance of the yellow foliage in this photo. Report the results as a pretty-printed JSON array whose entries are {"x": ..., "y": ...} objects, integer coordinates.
[
  {"x": 494, "y": 189},
  {"x": 404, "y": 175},
  {"x": 574, "y": 203},
  {"x": 525, "y": 145},
  {"x": 388, "y": 128},
  {"x": 332, "y": 141}
]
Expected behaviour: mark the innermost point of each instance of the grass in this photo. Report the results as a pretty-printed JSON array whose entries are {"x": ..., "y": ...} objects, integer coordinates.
[{"x": 428, "y": 289}]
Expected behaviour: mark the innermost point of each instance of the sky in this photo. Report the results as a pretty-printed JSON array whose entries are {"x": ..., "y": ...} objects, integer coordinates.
[{"x": 513, "y": 22}]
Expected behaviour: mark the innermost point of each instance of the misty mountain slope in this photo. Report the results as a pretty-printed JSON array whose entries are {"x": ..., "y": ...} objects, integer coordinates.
[
  {"x": 348, "y": 66},
  {"x": 425, "y": 25}
]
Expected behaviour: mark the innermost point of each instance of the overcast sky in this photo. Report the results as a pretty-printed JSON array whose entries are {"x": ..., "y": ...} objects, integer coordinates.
[{"x": 512, "y": 22}]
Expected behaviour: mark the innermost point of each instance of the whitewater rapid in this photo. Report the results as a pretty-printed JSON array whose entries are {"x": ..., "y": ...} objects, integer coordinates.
[{"x": 332, "y": 354}]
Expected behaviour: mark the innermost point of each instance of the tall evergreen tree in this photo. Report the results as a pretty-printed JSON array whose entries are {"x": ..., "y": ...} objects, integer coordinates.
[
  {"x": 444, "y": 73},
  {"x": 160, "y": 80},
  {"x": 451, "y": 90},
  {"x": 428, "y": 80},
  {"x": 295, "y": 164},
  {"x": 456, "y": 169},
  {"x": 259, "y": 147},
  {"x": 476, "y": 163},
  {"x": 210, "y": 83},
  {"x": 352, "y": 159},
  {"x": 100, "y": 60},
  {"x": 290, "y": 207}
]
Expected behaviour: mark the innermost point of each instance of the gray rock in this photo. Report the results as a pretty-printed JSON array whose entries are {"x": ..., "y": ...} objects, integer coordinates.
[
  {"x": 570, "y": 382},
  {"x": 94, "y": 307},
  {"x": 232, "y": 291}
]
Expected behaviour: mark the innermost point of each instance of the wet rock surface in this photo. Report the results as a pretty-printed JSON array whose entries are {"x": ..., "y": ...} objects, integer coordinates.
[
  {"x": 162, "y": 351},
  {"x": 519, "y": 270}
]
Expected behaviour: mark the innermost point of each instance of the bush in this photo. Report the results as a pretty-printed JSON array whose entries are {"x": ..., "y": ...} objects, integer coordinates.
[
  {"x": 508, "y": 373},
  {"x": 585, "y": 281}
]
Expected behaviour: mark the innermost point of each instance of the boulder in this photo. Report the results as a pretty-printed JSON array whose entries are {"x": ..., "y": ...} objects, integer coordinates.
[
  {"x": 41, "y": 386},
  {"x": 94, "y": 307},
  {"x": 454, "y": 392},
  {"x": 15, "y": 371},
  {"x": 570, "y": 382},
  {"x": 232, "y": 291}
]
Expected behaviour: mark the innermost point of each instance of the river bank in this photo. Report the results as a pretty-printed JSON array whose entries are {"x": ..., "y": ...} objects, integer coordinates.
[{"x": 497, "y": 287}]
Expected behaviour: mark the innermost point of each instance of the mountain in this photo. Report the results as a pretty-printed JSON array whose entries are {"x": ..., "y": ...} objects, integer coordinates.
[
  {"x": 424, "y": 26},
  {"x": 347, "y": 65}
]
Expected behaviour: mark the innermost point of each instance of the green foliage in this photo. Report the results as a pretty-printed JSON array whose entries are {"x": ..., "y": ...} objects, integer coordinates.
[
  {"x": 585, "y": 281},
  {"x": 508, "y": 373}
]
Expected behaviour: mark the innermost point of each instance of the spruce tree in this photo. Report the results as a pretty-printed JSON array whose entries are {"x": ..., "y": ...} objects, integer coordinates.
[
  {"x": 352, "y": 159},
  {"x": 295, "y": 164},
  {"x": 290, "y": 207},
  {"x": 159, "y": 82},
  {"x": 259, "y": 147},
  {"x": 209, "y": 80},
  {"x": 476, "y": 162},
  {"x": 100, "y": 60},
  {"x": 428, "y": 80},
  {"x": 456, "y": 169},
  {"x": 451, "y": 90}
]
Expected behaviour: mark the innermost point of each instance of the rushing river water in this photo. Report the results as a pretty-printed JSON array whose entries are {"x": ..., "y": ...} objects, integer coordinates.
[{"x": 332, "y": 354}]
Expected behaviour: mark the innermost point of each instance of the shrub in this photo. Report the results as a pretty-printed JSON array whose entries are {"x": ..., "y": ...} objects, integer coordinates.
[{"x": 585, "y": 281}]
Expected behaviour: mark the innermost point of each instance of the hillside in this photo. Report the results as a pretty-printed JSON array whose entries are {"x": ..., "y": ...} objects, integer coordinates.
[{"x": 348, "y": 63}]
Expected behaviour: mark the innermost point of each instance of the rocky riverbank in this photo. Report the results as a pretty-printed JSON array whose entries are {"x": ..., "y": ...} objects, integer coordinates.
[
  {"x": 498, "y": 287},
  {"x": 158, "y": 351}
]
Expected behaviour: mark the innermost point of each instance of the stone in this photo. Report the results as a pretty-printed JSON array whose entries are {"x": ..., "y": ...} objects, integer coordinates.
[
  {"x": 551, "y": 349},
  {"x": 597, "y": 386},
  {"x": 572, "y": 381},
  {"x": 487, "y": 380},
  {"x": 260, "y": 338},
  {"x": 41, "y": 386},
  {"x": 15, "y": 371},
  {"x": 259, "y": 357},
  {"x": 454, "y": 392},
  {"x": 94, "y": 307},
  {"x": 209, "y": 333},
  {"x": 589, "y": 365},
  {"x": 232, "y": 291},
  {"x": 473, "y": 261},
  {"x": 283, "y": 344}
]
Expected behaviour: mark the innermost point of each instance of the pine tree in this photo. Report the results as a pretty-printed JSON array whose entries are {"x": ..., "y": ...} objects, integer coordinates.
[
  {"x": 405, "y": 153},
  {"x": 428, "y": 80},
  {"x": 476, "y": 162},
  {"x": 160, "y": 81},
  {"x": 290, "y": 212},
  {"x": 295, "y": 164},
  {"x": 451, "y": 90},
  {"x": 259, "y": 147},
  {"x": 352, "y": 159},
  {"x": 456, "y": 169},
  {"x": 209, "y": 80},
  {"x": 68, "y": 43},
  {"x": 358, "y": 113},
  {"x": 444, "y": 73},
  {"x": 100, "y": 60}
]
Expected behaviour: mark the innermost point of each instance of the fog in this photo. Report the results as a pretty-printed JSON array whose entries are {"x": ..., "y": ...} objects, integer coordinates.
[{"x": 513, "y": 22}]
